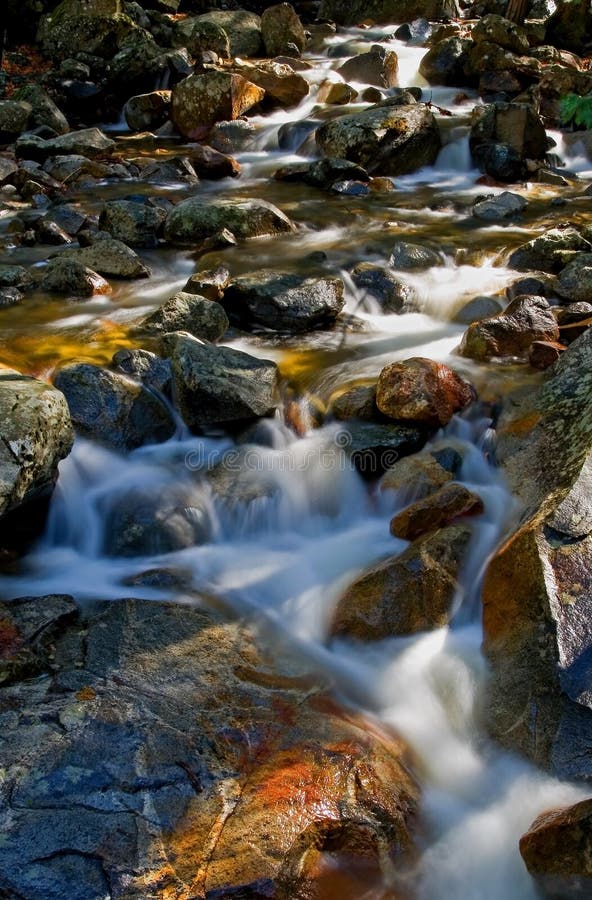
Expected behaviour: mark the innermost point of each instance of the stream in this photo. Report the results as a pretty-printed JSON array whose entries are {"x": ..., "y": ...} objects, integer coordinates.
[{"x": 294, "y": 523}]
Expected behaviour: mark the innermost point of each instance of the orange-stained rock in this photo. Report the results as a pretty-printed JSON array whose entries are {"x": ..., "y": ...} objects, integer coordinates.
[
  {"x": 557, "y": 850},
  {"x": 203, "y": 99},
  {"x": 407, "y": 593},
  {"x": 446, "y": 505},
  {"x": 421, "y": 390}
]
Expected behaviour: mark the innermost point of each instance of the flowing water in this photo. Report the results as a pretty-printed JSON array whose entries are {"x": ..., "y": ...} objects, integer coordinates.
[{"x": 282, "y": 527}]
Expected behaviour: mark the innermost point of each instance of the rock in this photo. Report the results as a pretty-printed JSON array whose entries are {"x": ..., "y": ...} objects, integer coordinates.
[
  {"x": 89, "y": 142},
  {"x": 574, "y": 282},
  {"x": 550, "y": 252},
  {"x": 68, "y": 168},
  {"x": 392, "y": 294},
  {"x": 218, "y": 743},
  {"x": 110, "y": 257},
  {"x": 14, "y": 118},
  {"x": 525, "y": 319},
  {"x": 282, "y": 85},
  {"x": 409, "y": 257},
  {"x": 415, "y": 477},
  {"x": 335, "y": 93},
  {"x": 207, "y": 37},
  {"x": 200, "y": 317},
  {"x": 421, "y": 390},
  {"x": 147, "y": 367},
  {"x": 211, "y": 164},
  {"x": 477, "y": 309},
  {"x": 10, "y": 296},
  {"x": 355, "y": 403},
  {"x": 378, "y": 66},
  {"x": 197, "y": 218},
  {"x": 322, "y": 174},
  {"x": 219, "y": 385},
  {"x": 375, "y": 447},
  {"x": 210, "y": 283},
  {"x": 8, "y": 170},
  {"x": 445, "y": 62},
  {"x": 570, "y": 26},
  {"x": 147, "y": 112},
  {"x": 36, "y": 433},
  {"x": 232, "y": 137},
  {"x": 385, "y": 11},
  {"x": 44, "y": 111},
  {"x": 495, "y": 29},
  {"x": 385, "y": 140},
  {"x": 98, "y": 28},
  {"x": 203, "y": 99},
  {"x": 15, "y": 276},
  {"x": 173, "y": 170},
  {"x": 443, "y": 507},
  {"x": 112, "y": 409},
  {"x": 69, "y": 276},
  {"x": 557, "y": 849},
  {"x": 543, "y": 354},
  {"x": 48, "y": 232},
  {"x": 28, "y": 628},
  {"x": 137, "y": 223},
  {"x": 501, "y": 206},
  {"x": 139, "y": 66},
  {"x": 530, "y": 284},
  {"x": 282, "y": 31},
  {"x": 405, "y": 594},
  {"x": 503, "y": 136},
  {"x": 242, "y": 27},
  {"x": 282, "y": 301}
]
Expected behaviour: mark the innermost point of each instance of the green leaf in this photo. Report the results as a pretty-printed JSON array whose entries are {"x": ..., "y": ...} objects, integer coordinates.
[{"x": 576, "y": 110}]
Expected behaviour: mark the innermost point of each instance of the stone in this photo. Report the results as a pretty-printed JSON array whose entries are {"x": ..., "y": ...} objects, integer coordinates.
[
  {"x": 49, "y": 232},
  {"x": 210, "y": 283},
  {"x": 511, "y": 333},
  {"x": 173, "y": 170},
  {"x": 137, "y": 223},
  {"x": 8, "y": 170},
  {"x": 15, "y": 276},
  {"x": 384, "y": 140},
  {"x": 385, "y": 11},
  {"x": 570, "y": 26},
  {"x": 147, "y": 112},
  {"x": 409, "y": 257},
  {"x": 217, "y": 743},
  {"x": 496, "y": 29},
  {"x": 530, "y": 284},
  {"x": 336, "y": 93},
  {"x": 373, "y": 447},
  {"x": 242, "y": 27},
  {"x": 378, "y": 66},
  {"x": 110, "y": 257},
  {"x": 68, "y": 168},
  {"x": 442, "y": 507},
  {"x": 10, "y": 296},
  {"x": 355, "y": 403},
  {"x": 392, "y": 294},
  {"x": 147, "y": 367},
  {"x": 197, "y": 315},
  {"x": 14, "y": 118},
  {"x": 44, "y": 111},
  {"x": 36, "y": 433},
  {"x": 71, "y": 277},
  {"x": 283, "y": 302},
  {"x": 421, "y": 391},
  {"x": 407, "y": 593},
  {"x": 415, "y": 477},
  {"x": 203, "y": 99},
  {"x": 477, "y": 309},
  {"x": 195, "y": 219},
  {"x": 232, "y": 137},
  {"x": 506, "y": 205},
  {"x": 219, "y": 385},
  {"x": 28, "y": 628},
  {"x": 88, "y": 142},
  {"x": 282, "y": 85},
  {"x": 98, "y": 27},
  {"x": 445, "y": 62},
  {"x": 282, "y": 30},
  {"x": 113, "y": 409},
  {"x": 211, "y": 164},
  {"x": 574, "y": 282},
  {"x": 557, "y": 851},
  {"x": 543, "y": 354},
  {"x": 206, "y": 36},
  {"x": 503, "y": 136},
  {"x": 551, "y": 251}
]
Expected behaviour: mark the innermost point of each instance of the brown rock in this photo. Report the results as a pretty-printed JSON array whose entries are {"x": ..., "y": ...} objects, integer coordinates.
[
  {"x": 211, "y": 164},
  {"x": 557, "y": 850},
  {"x": 421, "y": 390},
  {"x": 544, "y": 353},
  {"x": 407, "y": 593},
  {"x": 282, "y": 31},
  {"x": 379, "y": 67},
  {"x": 210, "y": 283},
  {"x": 337, "y": 93},
  {"x": 203, "y": 99},
  {"x": 511, "y": 333},
  {"x": 282, "y": 85},
  {"x": 445, "y": 506},
  {"x": 416, "y": 476},
  {"x": 356, "y": 403}
]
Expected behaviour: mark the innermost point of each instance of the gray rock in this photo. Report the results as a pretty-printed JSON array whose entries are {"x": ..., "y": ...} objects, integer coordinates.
[
  {"x": 550, "y": 252},
  {"x": 393, "y": 295},
  {"x": 205, "y": 98},
  {"x": 378, "y": 66},
  {"x": 574, "y": 282},
  {"x": 89, "y": 142},
  {"x": 504, "y": 136},
  {"x": 219, "y": 385},
  {"x": 15, "y": 276},
  {"x": 110, "y": 257},
  {"x": 8, "y": 170},
  {"x": 35, "y": 623},
  {"x": 408, "y": 257},
  {"x": 10, "y": 296},
  {"x": 210, "y": 283},
  {"x": 445, "y": 62},
  {"x": 170, "y": 171},
  {"x": 503, "y": 206},
  {"x": 113, "y": 409},
  {"x": 71, "y": 277},
  {"x": 386, "y": 11},
  {"x": 282, "y": 31},
  {"x": 243, "y": 29},
  {"x": 147, "y": 112},
  {"x": 147, "y": 367},
  {"x": 14, "y": 118},
  {"x": 135, "y": 223},
  {"x": 478, "y": 308},
  {"x": 98, "y": 28},
  {"x": 232, "y": 137},
  {"x": 196, "y": 219},
  {"x": 197, "y": 315},
  {"x": 43, "y": 110},
  {"x": 525, "y": 319},
  {"x": 373, "y": 448}
]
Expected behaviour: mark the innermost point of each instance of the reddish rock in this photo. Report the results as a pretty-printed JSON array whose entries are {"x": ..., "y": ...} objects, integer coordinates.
[
  {"x": 421, "y": 390},
  {"x": 557, "y": 850},
  {"x": 445, "y": 506},
  {"x": 355, "y": 403},
  {"x": 210, "y": 163},
  {"x": 544, "y": 353},
  {"x": 204, "y": 99},
  {"x": 511, "y": 333}
]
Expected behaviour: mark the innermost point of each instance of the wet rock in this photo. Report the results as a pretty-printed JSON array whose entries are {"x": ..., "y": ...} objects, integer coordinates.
[
  {"x": 409, "y": 257},
  {"x": 503, "y": 136},
  {"x": 71, "y": 277},
  {"x": 405, "y": 594},
  {"x": 543, "y": 354},
  {"x": 196, "y": 219},
  {"x": 175, "y": 169},
  {"x": 574, "y": 282},
  {"x": 282, "y": 85},
  {"x": 529, "y": 285},
  {"x": 147, "y": 367},
  {"x": 8, "y": 170},
  {"x": 506, "y": 205},
  {"x": 99, "y": 28},
  {"x": 378, "y": 66},
  {"x": 392, "y": 294},
  {"x": 137, "y": 223},
  {"x": 15, "y": 276},
  {"x": 14, "y": 118},
  {"x": 211, "y": 164},
  {"x": 373, "y": 447},
  {"x": 356, "y": 403},
  {"x": 557, "y": 849},
  {"x": 28, "y": 628},
  {"x": 282, "y": 301},
  {"x": 10, "y": 296},
  {"x": 445, "y": 62},
  {"x": 550, "y": 252},
  {"x": 443, "y": 507},
  {"x": 89, "y": 142},
  {"x": 44, "y": 111},
  {"x": 387, "y": 11},
  {"x": 70, "y": 167},
  {"x": 112, "y": 409},
  {"x": 242, "y": 27},
  {"x": 210, "y": 283},
  {"x": 110, "y": 257},
  {"x": 494, "y": 29},
  {"x": 478, "y": 308},
  {"x": 282, "y": 31},
  {"x": 219, "y": 385},
  {"x": 197, "y": 315},
  {"x": 206, "y": 36},
  {"x": 415, "y": 477},
  {"x": 232, "y": 137},
  {"x": 337, "y": 93},
  {"x": 147, "y": 112},
  {"x": 203, "y": 99},
  {"x": 573, "y": 320},
  {"x": 525, "y": 319},
  {"x": 385, "y": 140},
  {"x": 49, "y": 232},
  {"x": 423, "y": 391},
  {"x": 218, "y": 743},
  {"x": 324, "y": 173}
]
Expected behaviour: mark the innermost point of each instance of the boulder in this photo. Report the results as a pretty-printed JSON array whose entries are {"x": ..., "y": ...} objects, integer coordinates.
[
  {"x": 174, "y": 170},
  {"x": 110, "y": 257},
  {"x": 204, "y": 37},
  {"x": 373, "y": 447},
  {"x": 415, "y": 477},
  {"x": 442, "y": 507},
  {"x": 112, "y": 408},
  {"x": 205, "y": 98},
  {"x": 386, "y": 11},
  {"x": 147, "y": 367},
  {"x": 378, "y": 66},
  {"x": 494, "y": 29},
  {"x": 71, "y": 277},
  {"x": 8, "y": 170},
  {"x": 197, "y": 315},
  {"x": 385, "y": 140},
  {"x": 210, "y": 283},
  {"x": 282, "y": 301},
  {"x": 282, "y": 85},
  {"x": 511, "y": 333},
  {"x": 445, "y": 62},
  {"x": 147, "y": 112},
  {"x": 258, "y": 783},
  {"x": 543, "y": 354},
  {"x": 36, "y": 434},
  {"x": 570, "y": 26},
  {"x": 44, "y": 111},
  {"x": 243, "y": 29},
  {"x": 282, "y": 31},
  {"x": 219, "y": 385},
  {"x": 409, "y": 257},
  {"x": 28, "y": 628},
  {"x": 574, "y": 282},
  {"x": 197, "y": 218},
  {"x": 211, "y": 164},
  {"x": 422, "y": 391},
  {"x": 407, "y": 593},
  {"x": 88, "y": 142},
  {"x": 355, "y": 403},
  {"x": 478, "y": 308},
  {"x": 134, "y": 222},
  {"x": 550, "y": 252},
  {"x": 506, "y": 205},
  {"x": 557, "y": 851},
  {"x": 504, "y": 136},
  {"x": 14, "y": 118},
  {"x": 392, "y": 294},
  {"x": 97, "y": 27}
]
